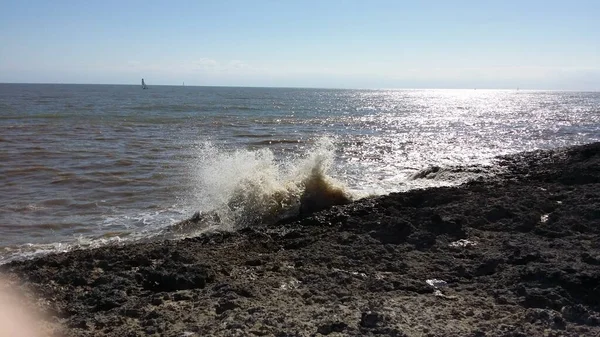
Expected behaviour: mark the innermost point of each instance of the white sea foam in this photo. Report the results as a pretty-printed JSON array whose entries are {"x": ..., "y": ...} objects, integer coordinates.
[{"x": 243, "y": 187}]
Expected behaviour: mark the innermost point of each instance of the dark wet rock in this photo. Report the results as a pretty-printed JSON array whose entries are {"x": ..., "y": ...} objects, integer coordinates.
[
  {"x": 225, "y": 306},
  {"x": 580, "y": 314},
  {"x": 422, "y": 239},
  {"x": 543, "y": 298},
  {"x": 534, "y": 270},
  {"x": 498, "y": 213},
  {"x": 371, "y": 319},
  {"x": 393, "y": 232},
  {"x": 175, "y": 278},
  {"x": 446, "y": 225},
  {"x": 132, "y": 312},
  {"x": 590, "y": 259},
  {"x": 488, "y": 267},
  {"x": 254, "y": 262},
  {"x": 522, "y": 258},
  {"x": 326, "y": 329}
]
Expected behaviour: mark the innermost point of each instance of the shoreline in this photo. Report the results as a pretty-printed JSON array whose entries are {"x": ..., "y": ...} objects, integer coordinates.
[{"x": 528, "y": 264}]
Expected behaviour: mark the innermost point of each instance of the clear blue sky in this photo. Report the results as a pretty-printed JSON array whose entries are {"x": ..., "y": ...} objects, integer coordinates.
[{"x": 343, "y": 44}]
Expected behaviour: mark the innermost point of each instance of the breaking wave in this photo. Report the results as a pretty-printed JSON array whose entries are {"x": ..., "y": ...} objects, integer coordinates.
[{"x": 241, "y": 188}]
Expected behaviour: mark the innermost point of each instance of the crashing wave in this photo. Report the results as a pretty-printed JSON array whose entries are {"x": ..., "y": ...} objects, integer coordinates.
[{"x": 245, "y": 188}]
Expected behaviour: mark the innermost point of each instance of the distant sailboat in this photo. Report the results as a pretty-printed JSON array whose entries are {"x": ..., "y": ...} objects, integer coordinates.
[{"x": 144, "y": 86}]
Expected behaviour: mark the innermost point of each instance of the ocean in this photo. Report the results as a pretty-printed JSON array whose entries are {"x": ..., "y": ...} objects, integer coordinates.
[{"x": 88, "y": 165}]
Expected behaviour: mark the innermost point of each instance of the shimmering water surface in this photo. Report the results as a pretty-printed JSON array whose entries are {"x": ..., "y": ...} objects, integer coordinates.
[{"x": 86, "y": 164}]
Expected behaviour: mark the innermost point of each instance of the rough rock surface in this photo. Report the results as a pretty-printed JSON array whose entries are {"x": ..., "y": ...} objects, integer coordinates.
[{"x": 530, "y": 266}]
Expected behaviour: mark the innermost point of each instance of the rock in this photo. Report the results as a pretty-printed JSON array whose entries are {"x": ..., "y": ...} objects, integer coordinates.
[
  {"x": 371, "y": 319},
  {"x": 182, "y": 296},
  {"x": 579, "y": 314},
  {"x": 254, "y": 262},
  {"x": 175, "y": 278},
  {"x": 330, "y": 327},
  {"x": 488, "y": 267},
  {"x": 225, "y": 306}
]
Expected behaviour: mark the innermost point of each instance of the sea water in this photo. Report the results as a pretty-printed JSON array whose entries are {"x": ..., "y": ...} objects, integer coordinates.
[{"x": 86, "y": 165}]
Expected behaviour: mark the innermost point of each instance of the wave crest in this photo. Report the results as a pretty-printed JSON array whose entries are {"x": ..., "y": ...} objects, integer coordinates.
[{"x": 242, "y": 188}]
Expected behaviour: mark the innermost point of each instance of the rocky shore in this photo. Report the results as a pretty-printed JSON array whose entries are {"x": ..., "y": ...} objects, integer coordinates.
[{"x": 514, "y": 255}]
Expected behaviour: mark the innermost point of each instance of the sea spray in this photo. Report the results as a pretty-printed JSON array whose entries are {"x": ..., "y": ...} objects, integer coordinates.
[
  {"x": 241, "y": 188},
  {"x": 318, "y": 188}
]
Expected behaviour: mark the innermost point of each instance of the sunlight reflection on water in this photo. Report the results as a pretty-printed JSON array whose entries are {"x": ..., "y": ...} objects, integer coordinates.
[{"x": 96, "y": 159}]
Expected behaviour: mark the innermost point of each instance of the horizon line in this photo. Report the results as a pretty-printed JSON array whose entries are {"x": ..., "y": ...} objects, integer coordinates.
[{"x": 301, "y": 87}]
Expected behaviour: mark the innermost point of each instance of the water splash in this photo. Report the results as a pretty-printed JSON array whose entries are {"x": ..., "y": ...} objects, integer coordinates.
[{"x": 241, "y": 188}]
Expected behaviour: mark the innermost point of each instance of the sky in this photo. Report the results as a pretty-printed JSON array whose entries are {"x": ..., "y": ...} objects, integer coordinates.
[{"x": 324, "y": 44}]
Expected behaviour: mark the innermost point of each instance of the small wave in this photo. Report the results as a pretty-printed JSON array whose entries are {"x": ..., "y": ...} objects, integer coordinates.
[
  {"x": 254, "y": 135},
  {"x": 8, "y": 254},
  {"x": 170, "y": 108},
  {"x": 456, "y": 175},
  {"x": 116, "y": 231},
  {"x": 32, "y": 250},
  {"x": 84, "y": 205},
  {"x": 28, "y": 170},
  {"x": 55, "y": 226},
  {"x": 240, "y": 108},
  {"x": 35, "y": 116},
  {"x": 55, "y": 202},
  {"x": 28, "y": 228},
  {"x": 123, "y": 162},
  {"x": 276, "y": 141},
  {"x": 72, "y": 179},
  {"x": 428, "y": 173}
]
